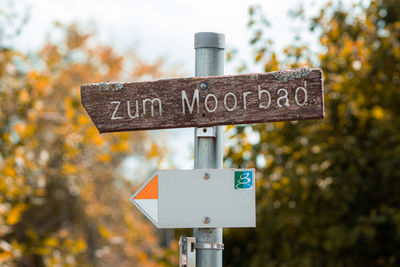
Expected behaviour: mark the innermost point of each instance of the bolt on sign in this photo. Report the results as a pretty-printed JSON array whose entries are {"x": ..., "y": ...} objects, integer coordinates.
[{"x": 205, "y": 101}]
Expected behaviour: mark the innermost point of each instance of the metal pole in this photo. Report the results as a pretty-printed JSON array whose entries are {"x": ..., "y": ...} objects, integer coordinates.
[{"x": 208, "y": 151}]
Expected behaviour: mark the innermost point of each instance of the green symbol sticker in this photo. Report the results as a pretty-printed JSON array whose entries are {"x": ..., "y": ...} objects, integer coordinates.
[{"x": 243, "y": 180}]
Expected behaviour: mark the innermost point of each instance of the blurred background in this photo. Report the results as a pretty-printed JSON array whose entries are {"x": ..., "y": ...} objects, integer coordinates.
[{"x": 328, "y": 191}]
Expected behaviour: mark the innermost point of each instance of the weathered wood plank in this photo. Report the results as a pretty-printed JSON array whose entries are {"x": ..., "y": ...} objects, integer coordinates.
[{"x": 175, "y": 103}]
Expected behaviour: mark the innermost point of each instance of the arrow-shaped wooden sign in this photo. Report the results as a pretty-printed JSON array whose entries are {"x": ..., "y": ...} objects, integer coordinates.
[
  {"x": 201, "y": 198},
  {"x": 205, "y": 101}
]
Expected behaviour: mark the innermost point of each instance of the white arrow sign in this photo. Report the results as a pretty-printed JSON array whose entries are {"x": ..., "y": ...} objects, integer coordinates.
[{"x": 202, "y": 198}]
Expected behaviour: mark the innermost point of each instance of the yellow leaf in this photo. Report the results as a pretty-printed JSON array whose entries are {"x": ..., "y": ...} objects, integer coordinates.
[
  {"x": 19, "y": 127},
  {"x": 6, "y": 137},
  {"x": 378, "y": 113},
  {"x": 79, "y": 246},
  {"x": 9, "y": 171},
  {"x": 5, "y": 256},
  {"x": 51, "y": 242},
  {"x": 103, "y": 158},
  {"x": 296, "y": 155},
  {"x": 259, "y": 56},
  {"x": 29, "y": 131},
  {"x": 69, "y": 113},
  {"x": 276, "y": 185},
  {"x": 98, "y": 140},
  {"x": 83, "y": 119},
  {"x": 142, "y": 256},
  {"x": 285, "y": 181},
  {"x": 69, "y": 108},
  {"x": 42, "y": 83},
  {"x": 14, "y": 214},
  {"x": 32, "y": 75},
  {"x": 40, "y": 192},
  {"x": 43, "y": 251},
  {"x": 92, "y": 132},
  {"x": 23, "y": 96},
  {"x": 69, "y": 169},
  {"x": 39, "y": 81},
  {"x": 347, "y": 49},
  {"x": 154, "y": 151},
  {"x": 120, "y": 147},
  {"x": 68, "y": 243},
  {"x": 103, "y": 232},
  {"x": 72, "y": 152}
]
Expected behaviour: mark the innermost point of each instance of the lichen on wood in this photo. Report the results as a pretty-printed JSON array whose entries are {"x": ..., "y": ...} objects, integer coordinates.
[
  {"x": 289, "y": 75},
  {"x": 109, "y": 86}
]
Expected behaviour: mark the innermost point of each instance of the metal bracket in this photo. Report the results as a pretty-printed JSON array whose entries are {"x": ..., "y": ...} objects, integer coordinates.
[
  {"x": 206, "y": 131},
  {"x": 187, "y": 252},
  {"x": 212, "y": 246}
]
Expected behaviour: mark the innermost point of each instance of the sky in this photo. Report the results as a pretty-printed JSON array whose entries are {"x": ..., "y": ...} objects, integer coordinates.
[{"x": 159, "y": 28}]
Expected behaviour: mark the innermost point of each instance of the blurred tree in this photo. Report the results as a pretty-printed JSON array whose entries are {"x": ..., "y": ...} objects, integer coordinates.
[
  {"x": 328, "y": 192},
  {"x": 62, "y": 202}
]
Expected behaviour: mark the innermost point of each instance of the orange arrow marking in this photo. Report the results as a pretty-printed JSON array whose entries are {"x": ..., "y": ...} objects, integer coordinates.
[{"x": 150, "y": 191}]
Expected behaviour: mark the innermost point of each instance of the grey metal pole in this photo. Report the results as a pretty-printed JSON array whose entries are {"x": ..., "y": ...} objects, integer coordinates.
[{"x": 208, "y": 151}]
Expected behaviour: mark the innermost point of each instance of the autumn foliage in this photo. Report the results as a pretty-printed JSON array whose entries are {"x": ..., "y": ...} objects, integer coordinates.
[
  {"x": 62, "y": 200},
  {"x": 328, "y": 191}
]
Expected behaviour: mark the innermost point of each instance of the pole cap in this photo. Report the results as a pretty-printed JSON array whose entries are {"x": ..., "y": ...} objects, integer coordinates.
[{"x": 209, "y": 40}]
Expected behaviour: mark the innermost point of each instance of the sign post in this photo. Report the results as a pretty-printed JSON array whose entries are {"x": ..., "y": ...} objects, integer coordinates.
[
  {"x": 206, "y": 102},
  {"x": 208, "y": 142}
]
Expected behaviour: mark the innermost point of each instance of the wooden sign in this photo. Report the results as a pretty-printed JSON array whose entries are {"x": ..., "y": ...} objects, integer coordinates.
[{"x": 205, "y": 101}]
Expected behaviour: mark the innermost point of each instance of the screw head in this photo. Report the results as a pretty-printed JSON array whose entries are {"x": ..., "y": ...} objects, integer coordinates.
[
  {"x": 203, "y": 85},
  {"x": 206, "y": 220},
  {"x": 206, "y": 176}
]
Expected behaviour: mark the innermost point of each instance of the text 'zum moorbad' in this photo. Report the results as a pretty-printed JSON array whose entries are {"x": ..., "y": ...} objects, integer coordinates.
[{"x": 198, "y": 102}]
